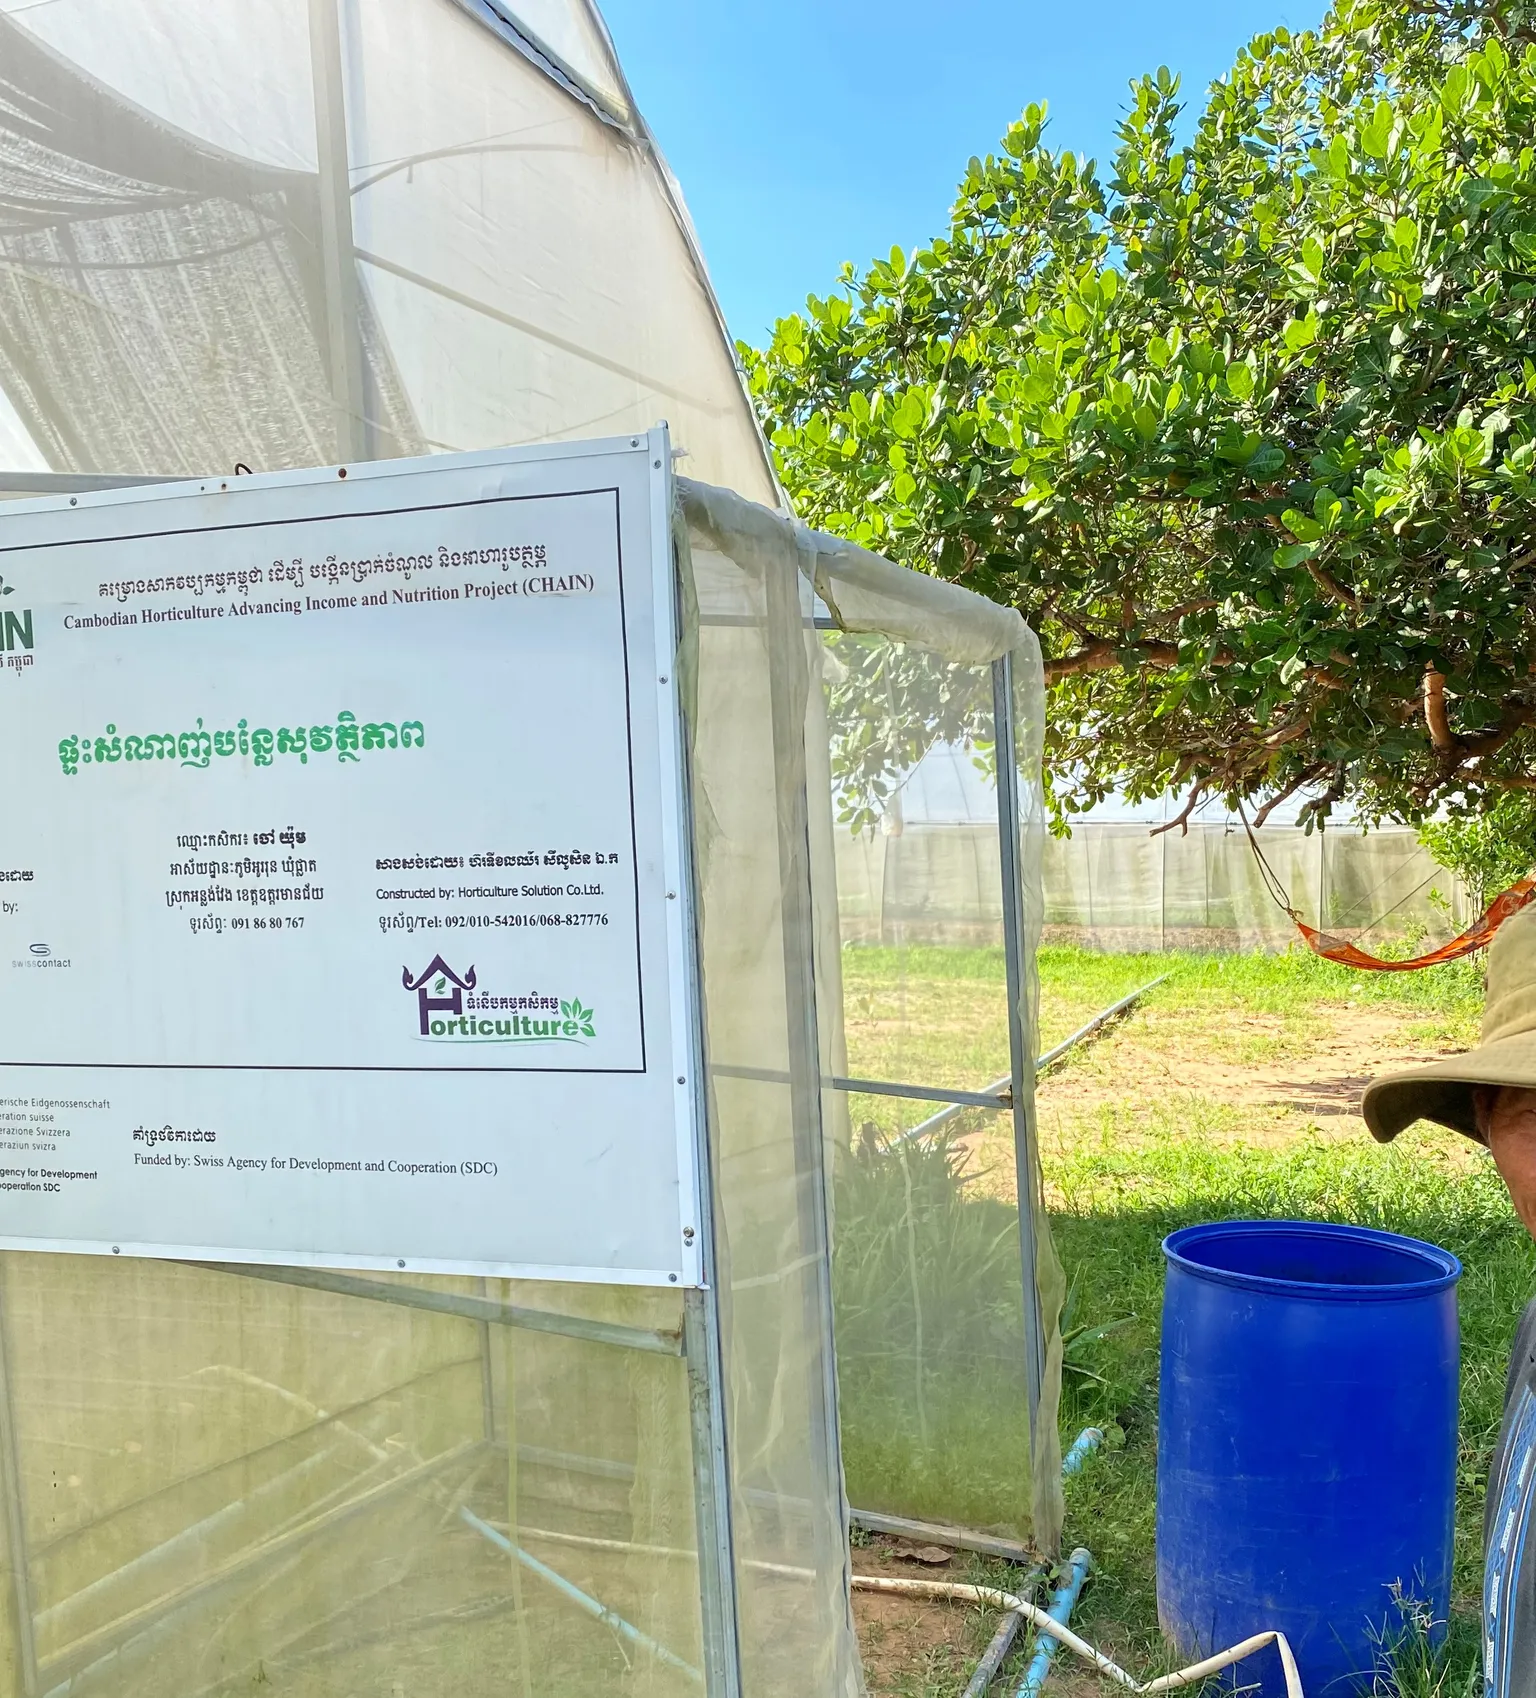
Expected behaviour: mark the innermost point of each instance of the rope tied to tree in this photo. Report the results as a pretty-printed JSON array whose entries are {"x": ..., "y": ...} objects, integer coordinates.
[{"x": 1477, "y": 936}]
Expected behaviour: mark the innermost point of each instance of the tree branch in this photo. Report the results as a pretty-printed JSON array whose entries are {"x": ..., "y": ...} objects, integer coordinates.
[
  {"x": 1436, "y": 717},
  {"x": 1182, "y": 821},
  {"x": 1099, "y": 654},
  {"x": 1512, "y": 718},
  {"x": 1288, "y": 733},
  {"x": 1330, "y": 586},
  {"x": 1304, "y": 777}
]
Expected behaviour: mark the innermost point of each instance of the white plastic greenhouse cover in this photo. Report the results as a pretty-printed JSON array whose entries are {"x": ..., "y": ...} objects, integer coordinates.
[{"x": 183, "y": 190}]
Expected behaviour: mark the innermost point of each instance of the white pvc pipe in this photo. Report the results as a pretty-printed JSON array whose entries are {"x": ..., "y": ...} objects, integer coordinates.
[{"x": 1043, "y": 1623}]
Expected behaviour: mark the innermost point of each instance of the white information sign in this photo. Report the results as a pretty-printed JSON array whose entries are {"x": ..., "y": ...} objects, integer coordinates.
[{"x": 343, "y": 912}]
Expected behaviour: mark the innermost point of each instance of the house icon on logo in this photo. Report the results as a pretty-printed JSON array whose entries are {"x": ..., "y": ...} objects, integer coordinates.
[{"x": 430, "y": 989}]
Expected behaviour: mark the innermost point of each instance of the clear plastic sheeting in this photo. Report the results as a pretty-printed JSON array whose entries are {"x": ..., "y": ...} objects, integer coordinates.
[{"x": 315, "y": 231}]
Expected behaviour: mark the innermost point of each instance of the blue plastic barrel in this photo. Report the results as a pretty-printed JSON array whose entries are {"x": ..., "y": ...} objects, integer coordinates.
[{"x": 1306, "y": 1442}]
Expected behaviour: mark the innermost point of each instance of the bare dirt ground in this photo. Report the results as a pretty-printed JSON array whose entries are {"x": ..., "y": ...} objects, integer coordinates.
[
  {"x": 913, "y": 1648},
  {"x": 916, "y": 1649},
  {"x": 1230, "y": 1076},
  {"x": 1318, "y": 1074},
  {"x": 909, "y": 1645}
]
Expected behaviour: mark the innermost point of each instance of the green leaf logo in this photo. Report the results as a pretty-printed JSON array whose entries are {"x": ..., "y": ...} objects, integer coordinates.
[
  {"x": 442, "y": 983},
  {"x": 568, "y": 1010}
]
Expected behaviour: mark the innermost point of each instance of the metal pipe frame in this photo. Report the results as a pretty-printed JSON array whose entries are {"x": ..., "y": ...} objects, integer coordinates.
[
  {"x": 1097, "y": 1023},
  {"x": 941, "y": 1533},
  {"x": 343, "y": 323},
  {"x": 990, "y": 1098},
  {"x": 1025, "y": 1151},
  {"x": 77, "y": 1659},
  {"x": 23, "y": 1617},
  {"x": 703, "y": 1324},
  {"x": 790, "y": 679},
  {"x": 483, "y": 1309}
]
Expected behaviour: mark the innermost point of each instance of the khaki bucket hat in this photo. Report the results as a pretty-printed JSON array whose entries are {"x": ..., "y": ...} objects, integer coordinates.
[{"x": 1506, "y": 1055}]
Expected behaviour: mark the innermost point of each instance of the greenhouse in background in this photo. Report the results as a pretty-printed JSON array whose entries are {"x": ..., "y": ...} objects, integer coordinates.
[{"x": 922, "y": 872}]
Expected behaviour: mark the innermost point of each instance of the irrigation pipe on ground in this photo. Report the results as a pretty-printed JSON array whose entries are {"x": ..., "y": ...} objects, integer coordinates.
[
  {"x": 1052, "y": 1627},
  {"x": 1051, "y": 1624},
  {"x": 999, "y": 1086}
]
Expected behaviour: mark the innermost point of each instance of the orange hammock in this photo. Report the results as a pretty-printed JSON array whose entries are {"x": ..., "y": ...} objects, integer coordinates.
[
  {"x": 1475, "y": 936},
  {"x": 1339, "y": 949}
]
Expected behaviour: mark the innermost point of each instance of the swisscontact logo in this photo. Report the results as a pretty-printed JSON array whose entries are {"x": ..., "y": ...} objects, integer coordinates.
[{"x": 453, "y": 1008}]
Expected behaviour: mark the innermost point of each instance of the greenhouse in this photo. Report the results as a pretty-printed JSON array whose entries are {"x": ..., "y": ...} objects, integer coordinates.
[{"x": 322, "y": 233}]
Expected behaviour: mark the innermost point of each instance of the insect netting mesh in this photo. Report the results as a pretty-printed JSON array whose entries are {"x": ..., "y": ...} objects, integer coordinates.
[
  {"x": 325, "y": 1483},
  {"x": 929, "y": 1288}
]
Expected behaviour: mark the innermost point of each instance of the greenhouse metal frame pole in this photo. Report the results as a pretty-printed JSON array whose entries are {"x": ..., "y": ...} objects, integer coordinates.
[
  {"x": 1021, "y": 1060},
  {"x": 704, "y": 1360},
  {"x": 789, "y": 628},
  {"x": 703, "y": 1323},
  {"x": 343, "y": 320}
]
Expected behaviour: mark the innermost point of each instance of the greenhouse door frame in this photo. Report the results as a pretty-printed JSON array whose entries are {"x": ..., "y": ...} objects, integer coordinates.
[{"x": 1016, "y": 1094}]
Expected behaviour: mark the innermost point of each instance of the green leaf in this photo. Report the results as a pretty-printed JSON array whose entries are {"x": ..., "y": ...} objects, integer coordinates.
[
  {"x": 1267, "y": 463},
  {"x": 1301, "y": 333}
]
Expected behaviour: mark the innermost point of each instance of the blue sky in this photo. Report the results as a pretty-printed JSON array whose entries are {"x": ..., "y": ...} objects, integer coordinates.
[{"x": 809, "y": 132}]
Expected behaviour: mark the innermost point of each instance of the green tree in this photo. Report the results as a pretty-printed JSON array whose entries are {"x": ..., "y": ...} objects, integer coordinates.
[
  {"x": 1245, "y": 428},
  {"x": 1487, "y": 851}
]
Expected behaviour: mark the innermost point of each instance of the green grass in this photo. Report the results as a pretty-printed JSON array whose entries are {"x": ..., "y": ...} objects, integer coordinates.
[
  {"x": 940, "y": 1016},
  {"x": 1123, "y": 1171},
  {"x": 1118, "y": 1207}
]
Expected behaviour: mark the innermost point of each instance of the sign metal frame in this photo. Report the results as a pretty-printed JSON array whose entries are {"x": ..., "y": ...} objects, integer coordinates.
[{"x": 680, "y": 1056}]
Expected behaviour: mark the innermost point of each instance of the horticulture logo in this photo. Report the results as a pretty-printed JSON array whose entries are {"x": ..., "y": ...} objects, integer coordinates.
[{"x": 451, "y": 1008}]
